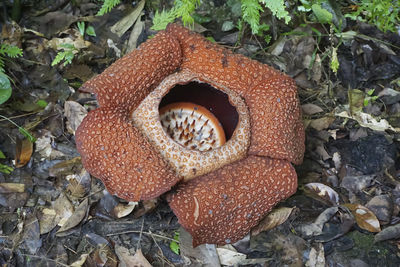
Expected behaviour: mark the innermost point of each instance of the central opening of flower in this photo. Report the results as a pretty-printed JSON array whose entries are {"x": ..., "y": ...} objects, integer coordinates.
[{"x": 198, "y": 116}]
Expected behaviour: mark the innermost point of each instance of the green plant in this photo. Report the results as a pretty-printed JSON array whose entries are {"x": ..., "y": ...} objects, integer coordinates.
[
  {"x": 251, "y": 10},
  {"x": 384, "y": 14},
  {"x": 370, "y": 97},
  {"x": 11, "y": 51},
  {"x": 89, "y": 29},
  {"x": 67, "y": 55},
  {"x": 107, "y": 6}
]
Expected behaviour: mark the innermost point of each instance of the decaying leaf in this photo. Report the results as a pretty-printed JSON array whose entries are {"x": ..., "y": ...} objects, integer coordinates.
[
  {"x": 44, "y": 147},
  {"x": 122, "y": 210},
  {"x": 79, "y": 262},
  {"x": 66, "y": 167},
  {"x": 127, "y": 260},
  {"x": 322, "y": 193},
  {"x": 273, "y": 219},
  {"x": 229, "y": 256},
  {"x": 23, "y": 152},
  {"x": 105, "y": 256},
  {"x": 12, "y": 188},
  {"x": 365, "y": 218},
  {"x": 366, "y": 120},
  {"x": 47, "y": 220},
  {"x": 74, "y": 113},
  {"x": 76, "y": 217},
  {"x": 316, "y": 257}
]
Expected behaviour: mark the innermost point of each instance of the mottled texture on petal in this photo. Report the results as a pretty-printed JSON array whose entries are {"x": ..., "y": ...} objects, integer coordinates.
[
  {"x": 222, "y": 206},
  {"x": 114, "y": 151},
  {"x": 130, "y": 79},
  {"x": 277, "y": 130}
]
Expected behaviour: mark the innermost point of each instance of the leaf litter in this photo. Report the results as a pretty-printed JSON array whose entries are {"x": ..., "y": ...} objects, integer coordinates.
[{"x": 53, "y": 212}]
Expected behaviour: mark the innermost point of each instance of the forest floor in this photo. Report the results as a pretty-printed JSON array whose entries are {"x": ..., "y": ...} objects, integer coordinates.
[{"x": 344, "y": 213}]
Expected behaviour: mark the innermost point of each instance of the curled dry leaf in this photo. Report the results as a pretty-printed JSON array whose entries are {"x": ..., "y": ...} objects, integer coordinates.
[
  {"x": 127, "y": 260},
  {"x": 76, "y": 217},
  {"x": 365, "y": 218},
  {"x": 273, "y": 219},
  {"x": 23, "y": 152},
  {"x": 122, "y": 210},
  {"x": 322, "y": 193},
  {"x": 79, "y": 262},
  {"x": 322, "y": 123},
  {"x": 147, "y": 206}
]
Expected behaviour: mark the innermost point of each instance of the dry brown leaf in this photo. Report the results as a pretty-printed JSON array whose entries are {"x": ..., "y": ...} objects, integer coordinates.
[
  {"x": 23, "y": 152},
  {"x": 12, "y": 188},
  {"x": 74, "y": 113},
  {"x": 75, "y": 188},
  {"x": 229, "y": 256},
  {"x": 127, "y": 260},
  {"x": 126, "y": 22},
  {"x": 322, "y": 192},
  {"x": 47, "y": 220},
  {"x": 273, "y": 219},
  {"x": 122, "y": 210},
  {"x": 311, "y": 109},
  {"x": 79, "y": 262},
  {"x": 365, "y": 218},
  {"x": 148, "y": 205},
  {"x": 322, "y": 123},
  {"x": 76, "y": 217}
]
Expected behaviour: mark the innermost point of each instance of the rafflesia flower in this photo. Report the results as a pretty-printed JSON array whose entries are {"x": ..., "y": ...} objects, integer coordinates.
[{"x": 183, "y": 112}]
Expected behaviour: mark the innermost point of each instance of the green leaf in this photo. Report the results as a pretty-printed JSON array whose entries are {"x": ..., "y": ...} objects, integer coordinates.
[
  {"x": 41, "y": 103},
  {"x": 251, "y": 14},
  {"x": 6, "y": 169},
  {"x": 334, "y": 61},
  {"x": 370, "y": 92},
  {"x": 322, "y": 15},
  {"x": 174, "y": 246},
  {"x": 5, "y": 88},
  {"x": 2, "y": 156},
  {"x": 90, "y": 31},
  {"x": 81, "y": 27}
]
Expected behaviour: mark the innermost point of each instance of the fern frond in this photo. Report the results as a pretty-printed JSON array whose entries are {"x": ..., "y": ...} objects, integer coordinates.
[
  {"x": 184, "y": 10},
  {"x": 10, "y": 50},
  {"x": 251, "y": 14},
  {"x": 161, "y": 20},
  {"x": 107, "y": 6},
  {"x": 277, "y": 8}
]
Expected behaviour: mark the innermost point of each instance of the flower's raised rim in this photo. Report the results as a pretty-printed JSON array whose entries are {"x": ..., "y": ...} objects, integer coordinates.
[{"x": 189, "y": 163}]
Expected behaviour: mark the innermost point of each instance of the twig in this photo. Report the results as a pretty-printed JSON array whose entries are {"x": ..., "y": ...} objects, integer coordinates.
[{"x": 146, "y": 233}]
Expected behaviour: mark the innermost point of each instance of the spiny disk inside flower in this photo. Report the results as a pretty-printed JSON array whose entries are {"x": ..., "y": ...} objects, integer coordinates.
[{"x": 192, "y": 126}]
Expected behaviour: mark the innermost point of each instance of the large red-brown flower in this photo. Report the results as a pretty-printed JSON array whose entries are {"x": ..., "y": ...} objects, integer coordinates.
[{"x": 183, "y": 111}]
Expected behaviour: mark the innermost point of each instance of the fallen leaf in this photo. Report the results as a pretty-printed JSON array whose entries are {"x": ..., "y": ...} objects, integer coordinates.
[
  {"x": 75, "y": 188},
  {"x": 311, "y": 109},
  {"x": 47, "y": 220},
  {"x": 365, "y": 218},
  {"x": 23, "y": 153},
  {"x": 122, "y": 210},
  {"x": 391, "y": 232},
  {"x": 229, "y": 256},
  {"x": 126, "y": 22},
  {"x": 79, "y": 262},
  {"x": 316, "y": 257},
  {"x": 322, "y": 192},
  {"x": 273, "y": 219},
  {"x": 76, "y": 217},
  {"x": 12, "y": 188},
  {"x": 147, "y": 206},
  {"x": 127, "y": 260},
  {"x": 366, "y": 120},
  {"x": 321, "y": 123},
  {"x": 74, "y": 113}
]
